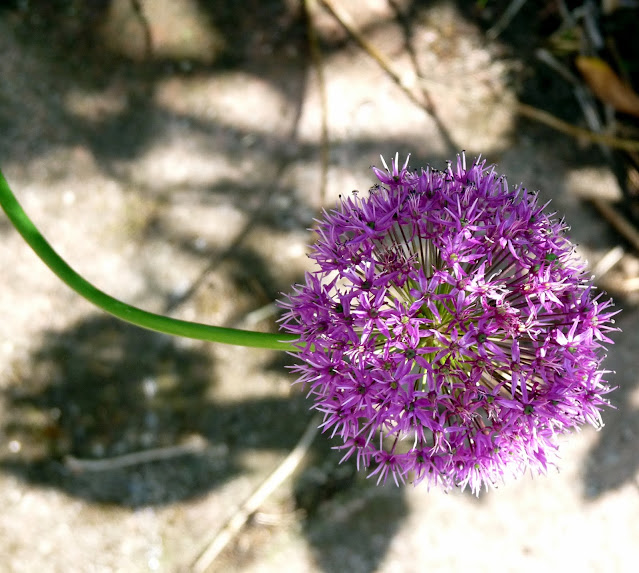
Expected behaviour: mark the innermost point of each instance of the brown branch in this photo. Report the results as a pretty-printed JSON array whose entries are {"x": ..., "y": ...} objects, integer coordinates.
[
  {"x": 618, "y": 221},
  {"x": 406, "y": 82},
  {"x": 318, "y": 63},
  {"x": 574, "y": 131},
  {"x": 224, "y": 535},
  {"x": 144, "y": 22},
  {"x": 195, "y": 445}
]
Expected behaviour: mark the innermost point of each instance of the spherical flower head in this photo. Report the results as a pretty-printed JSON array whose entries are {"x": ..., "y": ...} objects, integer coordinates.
[{"x": 449, "y": 332}]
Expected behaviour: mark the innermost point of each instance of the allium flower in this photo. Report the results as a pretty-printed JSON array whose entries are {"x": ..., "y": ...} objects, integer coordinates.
[{"x": 449, "y": 332}]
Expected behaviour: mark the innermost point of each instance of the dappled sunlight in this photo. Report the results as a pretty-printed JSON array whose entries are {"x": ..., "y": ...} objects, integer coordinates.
[
  {"x": 177, "y": 30},
  {"x": 174, "y": 154}
]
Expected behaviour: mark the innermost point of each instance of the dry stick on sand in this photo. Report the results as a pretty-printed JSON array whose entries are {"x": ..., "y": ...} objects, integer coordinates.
[
  {"x": 406, "y": 84},
  {"x": 195, "y": 445},
  {"x": 223, "y": 536},
  {"x": 618, "y": 221},
  {"x": 576, "y": 132},
  {"x": 316, "y": 56},
  {"x": 504, "y": 20}
]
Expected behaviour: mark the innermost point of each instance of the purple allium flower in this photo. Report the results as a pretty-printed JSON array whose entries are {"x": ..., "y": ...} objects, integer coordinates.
[{"x": 449, "y": 332}]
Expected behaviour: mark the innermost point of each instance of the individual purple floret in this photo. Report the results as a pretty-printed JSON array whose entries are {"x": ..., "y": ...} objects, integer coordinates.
[{"x": 449, "y": 332}]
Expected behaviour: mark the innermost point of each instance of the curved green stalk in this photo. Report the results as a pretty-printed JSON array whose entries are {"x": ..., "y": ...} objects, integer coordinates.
[{"x": 124, "y": 311}]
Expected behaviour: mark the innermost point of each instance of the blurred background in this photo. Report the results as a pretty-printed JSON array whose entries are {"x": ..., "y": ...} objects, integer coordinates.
[{"x": 175, "y": 152}]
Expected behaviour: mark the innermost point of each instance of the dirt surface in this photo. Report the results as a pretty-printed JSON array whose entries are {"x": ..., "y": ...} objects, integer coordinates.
[{"x": 172, "y": 155}]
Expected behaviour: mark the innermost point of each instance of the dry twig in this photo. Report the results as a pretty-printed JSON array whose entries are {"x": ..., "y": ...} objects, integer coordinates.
[
  {"x": 195, "y": 445},
  {"x": 608, "y": 261},
  {"x": 316, "y": 56},
  {"x": 574, "y": 131},
  {"x": 618, "y": 221},
  {"x": 223, "y": 536},
  {"x": 505, "y": 19},
  {"x": 406, "y": 82}
]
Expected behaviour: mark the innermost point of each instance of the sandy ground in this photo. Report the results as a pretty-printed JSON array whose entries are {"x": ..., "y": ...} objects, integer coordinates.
[{"x": 182, "y": 178}]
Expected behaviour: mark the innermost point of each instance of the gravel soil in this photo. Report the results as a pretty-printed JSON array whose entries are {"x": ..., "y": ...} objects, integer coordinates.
[{"x": 172, "y": 153}]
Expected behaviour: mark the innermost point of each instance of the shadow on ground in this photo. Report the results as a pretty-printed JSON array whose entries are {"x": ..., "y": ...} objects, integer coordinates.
[
  {"x": 104, "y": 390},
  {"x": 103, "y": 50},
  {"x": 613, "y": 461}
]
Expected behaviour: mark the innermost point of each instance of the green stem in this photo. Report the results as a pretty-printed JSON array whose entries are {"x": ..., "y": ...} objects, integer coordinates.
[{"x": 124, "y": 311}]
